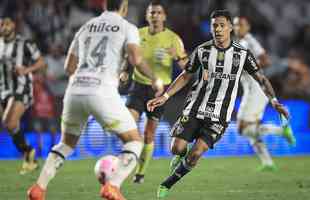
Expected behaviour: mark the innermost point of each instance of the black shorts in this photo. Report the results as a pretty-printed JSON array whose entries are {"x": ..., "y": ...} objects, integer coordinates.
[
  {"x": 190, "y": 128},
  {"x": 138, "y": 96},
  {"x": 25, "y": 98}
]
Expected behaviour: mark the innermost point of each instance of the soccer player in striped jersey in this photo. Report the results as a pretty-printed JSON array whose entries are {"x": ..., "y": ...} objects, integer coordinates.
[
  {"x": 161, "y": 47},
  {"x": 218, "y": 63},
  {"x": 19, "y": 58},
  {"x": 254, "y": 101}
]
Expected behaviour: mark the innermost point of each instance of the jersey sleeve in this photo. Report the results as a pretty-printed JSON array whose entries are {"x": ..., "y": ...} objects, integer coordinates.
[
  {"x": 250, "y": 64},
  {"x": 193, "y": 65},
  {"x": 74, "y": 46},
  {"x": 32, "y": 50},
  {"x": 256, "y": 47},
  {"x": 132, "y": 35},
  {"x": 178, "y": 43}
]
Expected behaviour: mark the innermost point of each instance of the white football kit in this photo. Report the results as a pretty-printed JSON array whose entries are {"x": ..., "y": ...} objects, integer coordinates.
[
  {"x": 254, "y": 100},
  {"x": 93, "y": 88}
]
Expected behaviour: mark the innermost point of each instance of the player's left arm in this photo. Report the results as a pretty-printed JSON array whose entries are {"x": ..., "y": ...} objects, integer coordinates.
[
  {"x": 33, "y": 51},
  {"x": 252, "y": 68}
]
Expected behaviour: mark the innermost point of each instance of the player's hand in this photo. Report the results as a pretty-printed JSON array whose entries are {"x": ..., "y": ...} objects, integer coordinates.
[
  {"x": 21, "y": 70},
  {"x": 156, "y": 102},
  {"x": 172, "y": 52},
  {"x": 280, "y": 108},
  {"x": 158, "y": 87}
]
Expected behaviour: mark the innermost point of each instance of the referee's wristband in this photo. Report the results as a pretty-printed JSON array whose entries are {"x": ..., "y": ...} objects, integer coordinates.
[{"x": 166, "y": 95}]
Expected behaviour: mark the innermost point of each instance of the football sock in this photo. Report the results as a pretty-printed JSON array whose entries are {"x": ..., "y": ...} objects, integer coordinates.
[
  {"x": 263, "y": 153},
  {"x": 145, "y": 158},
  {"x": 128, "y": 161},
  {"x": 53, "y": 162},
  {"x": 182, "y": 169},
  {"x": 20, "y": 141},
  {"x": 269, "y": 129}
]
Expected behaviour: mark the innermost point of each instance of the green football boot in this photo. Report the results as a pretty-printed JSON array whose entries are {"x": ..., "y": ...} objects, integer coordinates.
[
  {"x": 288, "y": 131},
  {"x": 268, "y": 168},
  {"x": 162, "y": 192}
]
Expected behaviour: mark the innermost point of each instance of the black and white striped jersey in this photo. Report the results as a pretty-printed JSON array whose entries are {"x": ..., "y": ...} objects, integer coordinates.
[
  {"x": 16, "y": 53},
  {"x": 214, "y": 93}
]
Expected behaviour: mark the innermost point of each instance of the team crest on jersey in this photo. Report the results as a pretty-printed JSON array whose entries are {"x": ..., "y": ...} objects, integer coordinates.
[
  {"x": 210, "y": 109},
  {"x": 220, "y": 56},
  {"x": 236, "y": 60}
]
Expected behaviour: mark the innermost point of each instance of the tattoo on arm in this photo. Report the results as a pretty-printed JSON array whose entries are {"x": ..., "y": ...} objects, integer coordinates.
[{"x": 265, "y": 84}]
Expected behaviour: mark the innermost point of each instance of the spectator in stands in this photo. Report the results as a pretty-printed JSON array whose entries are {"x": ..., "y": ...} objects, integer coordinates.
[{"x": 297, "y": 79}]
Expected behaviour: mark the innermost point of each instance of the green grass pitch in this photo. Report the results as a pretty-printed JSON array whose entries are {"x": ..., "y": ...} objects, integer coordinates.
[{"x": 213, "y": 179}]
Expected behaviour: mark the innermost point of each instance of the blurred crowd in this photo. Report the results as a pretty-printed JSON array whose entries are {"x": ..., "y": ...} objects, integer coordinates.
[{"x": 283, "y": 29}]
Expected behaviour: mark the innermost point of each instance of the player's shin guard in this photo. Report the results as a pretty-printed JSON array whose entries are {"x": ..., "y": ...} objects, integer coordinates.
[
  {"x": 128, "y": 161},
  {"x": 262, "y": 152},
  {"x": 182, "y": 169},
  {"x": 53, "y": 162}
]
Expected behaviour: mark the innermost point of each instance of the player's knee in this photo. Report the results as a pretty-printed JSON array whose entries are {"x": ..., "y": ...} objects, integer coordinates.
[
  {"x": 177, "y": 150},
  {"x": 249, "y": 130},
  {"x": 193, "y": 158},
  {"x": 10, "y": 125}
]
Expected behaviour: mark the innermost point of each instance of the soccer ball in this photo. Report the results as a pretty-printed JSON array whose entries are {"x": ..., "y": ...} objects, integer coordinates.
[{"x": 106, "y": 167}]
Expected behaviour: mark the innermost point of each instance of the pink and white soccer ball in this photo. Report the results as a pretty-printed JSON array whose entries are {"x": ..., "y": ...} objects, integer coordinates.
[{"x": 106, "y": 167}]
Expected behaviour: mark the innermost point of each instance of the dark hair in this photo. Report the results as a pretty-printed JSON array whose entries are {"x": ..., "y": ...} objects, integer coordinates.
[
  {"x": 114, "y": 5},
  {"x": 221, "y": 13},
  {"x": 157, "y": 3}
]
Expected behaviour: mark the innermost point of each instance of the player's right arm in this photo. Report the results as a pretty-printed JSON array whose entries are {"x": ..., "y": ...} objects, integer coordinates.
[
  {"x": 71, "y": 63},
  {"x": 135, "y": 59},
  {"x": 191, "y": 67},
  {"x": 72, "y": 59}
]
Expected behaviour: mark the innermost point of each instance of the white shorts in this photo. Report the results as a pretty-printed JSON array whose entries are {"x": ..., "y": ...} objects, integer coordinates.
[
  {"x": 254, "y": 100},
  {"x": 110, "y": 112}
]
